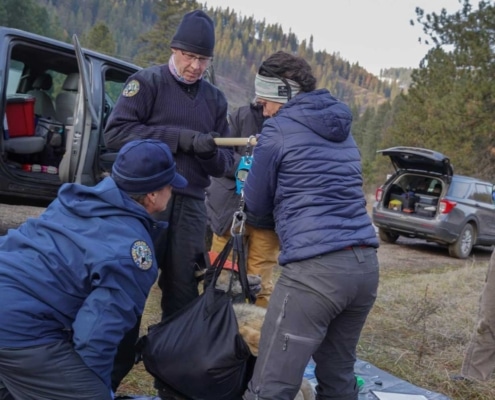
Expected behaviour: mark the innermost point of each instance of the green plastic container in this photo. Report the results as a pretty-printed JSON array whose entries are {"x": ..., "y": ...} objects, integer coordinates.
[{"x": 359, "y": 382}]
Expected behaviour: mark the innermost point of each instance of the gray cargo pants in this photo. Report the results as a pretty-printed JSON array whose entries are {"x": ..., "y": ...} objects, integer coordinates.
[{"x": 318, "y": 308}]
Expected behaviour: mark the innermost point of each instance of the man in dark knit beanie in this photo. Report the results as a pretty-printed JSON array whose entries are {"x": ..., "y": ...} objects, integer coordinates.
[
  {"x": 195, "y": 34},
  {"x": 172, "y": 103}
]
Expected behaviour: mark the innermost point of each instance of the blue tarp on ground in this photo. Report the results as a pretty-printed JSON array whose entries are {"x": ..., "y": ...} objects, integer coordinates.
[{"x": 374, "y": 378}]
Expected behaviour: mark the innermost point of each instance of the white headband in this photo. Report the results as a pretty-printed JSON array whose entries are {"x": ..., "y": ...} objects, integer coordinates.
[{"x": 274, "y": 89}]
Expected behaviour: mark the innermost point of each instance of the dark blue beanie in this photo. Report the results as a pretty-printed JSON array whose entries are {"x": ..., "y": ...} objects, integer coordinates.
[
  {"x": 196, "y": 34},
  {"x": 144, "y": 166}
]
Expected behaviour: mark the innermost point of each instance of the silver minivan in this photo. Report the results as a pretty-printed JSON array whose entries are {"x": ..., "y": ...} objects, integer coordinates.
[{"x": 55, "y": 100}]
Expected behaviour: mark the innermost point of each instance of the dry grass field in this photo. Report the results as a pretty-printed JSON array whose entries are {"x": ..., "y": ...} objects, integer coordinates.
[
  {"x": 422, "y": 321},
  {"x": 419, "y": 326}
]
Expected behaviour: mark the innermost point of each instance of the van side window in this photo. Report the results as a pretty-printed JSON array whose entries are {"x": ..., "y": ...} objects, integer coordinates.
[
  {"x": 114, "y": 84},
  {"x": 458, "y": 189},
  {"x": 15, "y": 74},
  {"x": 113, "y": 90}
]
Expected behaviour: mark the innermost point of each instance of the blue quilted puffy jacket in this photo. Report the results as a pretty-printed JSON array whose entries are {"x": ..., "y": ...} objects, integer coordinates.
[{"x": 307, "y": 171}]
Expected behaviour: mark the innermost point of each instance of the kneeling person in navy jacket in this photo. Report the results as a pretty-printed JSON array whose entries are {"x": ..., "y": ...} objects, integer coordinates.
[{"x": 76, "y": 279}]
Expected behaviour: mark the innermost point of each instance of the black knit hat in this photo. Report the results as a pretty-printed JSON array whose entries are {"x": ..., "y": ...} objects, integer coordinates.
[
  {"x": 195, "y": 33},
  {"x": 143, "y": 166}
]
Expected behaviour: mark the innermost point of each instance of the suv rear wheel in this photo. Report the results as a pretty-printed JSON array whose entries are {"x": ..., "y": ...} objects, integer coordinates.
[
  {"x": 387, "y": 236},
  {"x": 464, "y": 243}
]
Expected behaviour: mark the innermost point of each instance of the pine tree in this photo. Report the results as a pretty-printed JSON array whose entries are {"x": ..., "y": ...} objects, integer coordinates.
[
  {"x": 155, "y": 45},
  {"x": 99, "y": 39},
  {"x": 450, "y": 106}
]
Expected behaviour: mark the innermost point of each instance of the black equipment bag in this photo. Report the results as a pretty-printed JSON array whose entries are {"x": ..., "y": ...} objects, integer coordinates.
[{"x": 198, "y": 351}]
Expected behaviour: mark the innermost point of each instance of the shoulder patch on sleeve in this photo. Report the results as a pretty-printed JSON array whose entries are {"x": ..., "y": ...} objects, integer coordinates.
[
  {"x": 142, "y": 255},
  {"x": 131, "y": 88}
]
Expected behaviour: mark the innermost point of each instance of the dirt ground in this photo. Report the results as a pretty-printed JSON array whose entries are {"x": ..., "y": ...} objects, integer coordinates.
[
  {"x": 418, "y": 255},
  {"x": 12, "y": 216}
]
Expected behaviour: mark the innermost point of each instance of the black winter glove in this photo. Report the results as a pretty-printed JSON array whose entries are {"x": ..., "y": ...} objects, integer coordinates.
[
  {"x": 186, "y": 139},
  {"x": 204, "y": 145}
]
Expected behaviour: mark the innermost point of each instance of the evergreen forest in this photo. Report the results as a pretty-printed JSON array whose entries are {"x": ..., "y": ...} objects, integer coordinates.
[{"x": 447, "y": 104}]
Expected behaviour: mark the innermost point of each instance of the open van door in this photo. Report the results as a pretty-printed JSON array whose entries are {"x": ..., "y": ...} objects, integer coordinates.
[{"x": 85, "y": 118}]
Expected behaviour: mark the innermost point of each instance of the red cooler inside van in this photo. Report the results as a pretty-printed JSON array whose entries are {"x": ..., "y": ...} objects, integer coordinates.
[{"x": 20, "y": 115}]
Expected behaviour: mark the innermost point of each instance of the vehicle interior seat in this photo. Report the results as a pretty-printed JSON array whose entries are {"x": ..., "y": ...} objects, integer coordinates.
[
  {"x": 43, "y": 106},
  {"x": 65, "y": 102},
  {"x": 25, "y": 145}
]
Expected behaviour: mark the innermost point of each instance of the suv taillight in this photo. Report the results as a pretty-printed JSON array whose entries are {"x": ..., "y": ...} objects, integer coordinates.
[
  {"x": 446, "y": 206},
  {"x": 378, "y": 194}
]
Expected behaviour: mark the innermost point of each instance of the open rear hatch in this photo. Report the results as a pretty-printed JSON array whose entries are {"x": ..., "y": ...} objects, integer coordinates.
[{"x": 418, "y": 159}]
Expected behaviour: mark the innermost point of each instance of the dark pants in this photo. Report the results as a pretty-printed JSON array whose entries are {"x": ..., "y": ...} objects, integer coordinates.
[
  {"x": 318, "y": 308},
  {"x": 178, "y": 250},
  {"x": 126, "y": 356},
  {"x": 48, "y": 372}
]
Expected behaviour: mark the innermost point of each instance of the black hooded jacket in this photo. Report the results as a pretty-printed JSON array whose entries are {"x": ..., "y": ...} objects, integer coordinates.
[{"x": 221, "y": 197}]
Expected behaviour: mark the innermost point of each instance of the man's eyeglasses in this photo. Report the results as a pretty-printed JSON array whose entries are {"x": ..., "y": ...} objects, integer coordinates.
[{"x": 203, "y": 61}]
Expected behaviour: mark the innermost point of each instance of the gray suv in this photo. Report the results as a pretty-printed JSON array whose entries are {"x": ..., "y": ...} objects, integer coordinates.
[{"x": 424, "y": 199}]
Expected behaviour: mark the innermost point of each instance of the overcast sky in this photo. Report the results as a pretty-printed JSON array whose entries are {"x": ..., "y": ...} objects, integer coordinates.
[{"x": 375, "y": 33}]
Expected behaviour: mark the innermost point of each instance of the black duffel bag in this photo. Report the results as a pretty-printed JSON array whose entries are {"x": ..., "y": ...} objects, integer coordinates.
[{"x": 198, "y": 351}]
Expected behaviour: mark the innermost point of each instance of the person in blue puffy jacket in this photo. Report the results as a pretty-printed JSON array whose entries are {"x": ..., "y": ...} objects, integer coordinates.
[
  {"x": 76, "y": 279},
  {"x": 306, "y": 171}
]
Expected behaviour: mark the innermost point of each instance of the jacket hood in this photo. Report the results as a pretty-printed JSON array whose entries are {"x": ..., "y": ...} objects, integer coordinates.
[
  {"x": 102, "y": 200},
  {"x": 321, "y": 113}
]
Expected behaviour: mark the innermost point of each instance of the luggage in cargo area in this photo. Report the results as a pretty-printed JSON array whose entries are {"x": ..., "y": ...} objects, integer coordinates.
[
  {"x": 428, "y": 200},
  {"x": 425, "y": 210},
  {"x": 395, "y": 205},
  {"x": 403, "y": 202},
  {"x": 409, "y": 199}
]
